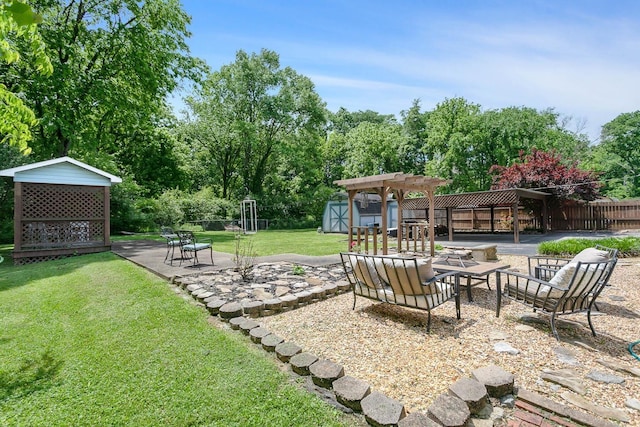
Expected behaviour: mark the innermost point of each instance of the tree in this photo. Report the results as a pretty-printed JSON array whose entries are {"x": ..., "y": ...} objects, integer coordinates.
[
  {"x": 246, "y": 112},
  {"x": 373, "y": 149},
  {"x": 115, "y": 63},
  {"x": 617, "y": 157},
  {"x": 547, "y": 171},
  {"x": 22, "y": 46},
  {"x": 415, "y": 124}
]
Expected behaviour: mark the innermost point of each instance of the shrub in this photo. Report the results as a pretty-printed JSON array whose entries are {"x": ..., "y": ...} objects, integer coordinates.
[{"x": 627, "y": 246}]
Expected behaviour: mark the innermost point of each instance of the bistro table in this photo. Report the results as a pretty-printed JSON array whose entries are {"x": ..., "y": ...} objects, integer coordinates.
[{"x": 472, "y": 270}]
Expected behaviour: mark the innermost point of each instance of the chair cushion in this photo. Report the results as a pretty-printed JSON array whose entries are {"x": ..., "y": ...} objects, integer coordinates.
[
  {"x": 591, "y": 255},
  {"x": 583, "y": 280},
  {"x": 421, "y": 301},
  {"x": 365, "y": 271},
  {"x": 196, "y": 246},
  {"x": 406, "y": 280}
]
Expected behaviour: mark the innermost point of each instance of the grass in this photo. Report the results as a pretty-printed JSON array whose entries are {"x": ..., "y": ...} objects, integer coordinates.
[
  {"x": 95, "y": 340},
  {"x": 627, "y": 246},
  {"x": 269, "y": 242}
]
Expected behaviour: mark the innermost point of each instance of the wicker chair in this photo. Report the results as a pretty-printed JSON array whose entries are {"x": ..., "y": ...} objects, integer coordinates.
[{"x": 559, "y": 286}]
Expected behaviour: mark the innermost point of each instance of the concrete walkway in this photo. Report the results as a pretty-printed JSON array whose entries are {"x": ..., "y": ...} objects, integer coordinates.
[{"x": 150, "y": 253}]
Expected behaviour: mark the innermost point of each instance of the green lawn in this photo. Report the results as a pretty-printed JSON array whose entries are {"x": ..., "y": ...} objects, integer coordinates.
[
  {"x": 95, "y": 340},
  {"x": 270, "y": 242}
]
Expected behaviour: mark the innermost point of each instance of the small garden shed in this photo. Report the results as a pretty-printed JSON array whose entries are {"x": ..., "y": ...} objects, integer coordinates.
[
  {"x": 367, "y": 210},
  {"x": 61, "y": 208}
]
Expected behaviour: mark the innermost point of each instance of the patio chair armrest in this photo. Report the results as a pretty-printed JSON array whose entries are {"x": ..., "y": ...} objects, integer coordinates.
[{"x": 522, "y": 276}]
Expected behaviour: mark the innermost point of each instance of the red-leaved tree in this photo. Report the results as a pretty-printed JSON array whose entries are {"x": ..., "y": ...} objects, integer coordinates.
[{"x": 545, "y": 171}]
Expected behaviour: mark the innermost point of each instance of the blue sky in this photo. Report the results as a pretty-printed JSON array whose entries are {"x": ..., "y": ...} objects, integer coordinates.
[{"x": 581, "y": 58}]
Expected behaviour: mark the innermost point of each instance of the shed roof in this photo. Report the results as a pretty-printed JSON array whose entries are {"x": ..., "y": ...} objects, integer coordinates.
[
  {"x": 476, "y": 199},
  {"x": 63, "y": 170}
]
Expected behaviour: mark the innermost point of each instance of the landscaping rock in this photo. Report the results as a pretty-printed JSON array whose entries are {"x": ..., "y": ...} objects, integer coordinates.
[
  {"x": 235, "y": 322},
  {"x": 285, "y": 350},
  {"x": 230, "y": 310},
  {"x": 449, "y": 411},
  {"x": 417, "y": 419},
  {"x": 602, "y": 411},
  {"x": 247, "y": 325},
  {"x": 566, "y": 356},
  {"x": 325, "y": 372},
  {"x": 270, "y": 342},
  {"x": 565, "y": 377},
  {"x": 301, "y": 362},
  {"x": 497, "y": 381},
  {"x": 258, "y": 333},
  {"x": 505, "y": 347},
  {"x": 605, "y": 378},
  {"x": 214, "y": 306},
  {"x": 472, "y": 392},
  {"x": 381, "y": 411},
  {"x": 350, "y": 391},
  {"x": 273, "y": 304},
  {"x": 252, "y": 308}
]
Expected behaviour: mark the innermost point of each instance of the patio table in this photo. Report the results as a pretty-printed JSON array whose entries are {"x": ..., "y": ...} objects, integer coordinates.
[{"x": 472, "y": 270}]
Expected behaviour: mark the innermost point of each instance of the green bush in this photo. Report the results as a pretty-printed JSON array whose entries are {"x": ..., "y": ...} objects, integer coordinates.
[{"x": 627, "y": 246}]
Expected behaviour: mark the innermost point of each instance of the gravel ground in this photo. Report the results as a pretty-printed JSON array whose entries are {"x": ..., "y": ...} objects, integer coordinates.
[{"x": 389, "y": 347}]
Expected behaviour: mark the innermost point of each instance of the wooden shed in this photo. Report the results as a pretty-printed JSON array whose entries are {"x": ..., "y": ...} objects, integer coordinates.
[{"x": 61, "y": 208}]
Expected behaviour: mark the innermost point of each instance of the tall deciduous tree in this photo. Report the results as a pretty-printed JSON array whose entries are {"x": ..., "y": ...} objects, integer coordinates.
[
  {"x": 22, "y": 46},
  {"x": 617, "y": 156},
  {"x": 373, "y": 149},
  {"x": 115, "y": 63},
  {"x": 246, "y": 112}
]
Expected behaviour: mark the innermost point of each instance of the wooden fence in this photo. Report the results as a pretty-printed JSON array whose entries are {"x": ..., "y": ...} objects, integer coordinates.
[
  {"x": 571, "y": 216},
  {"x": 597, "y": 216}
]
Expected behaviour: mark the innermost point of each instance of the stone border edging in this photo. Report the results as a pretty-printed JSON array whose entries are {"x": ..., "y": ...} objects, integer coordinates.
[{"x": 481, "y": 398}]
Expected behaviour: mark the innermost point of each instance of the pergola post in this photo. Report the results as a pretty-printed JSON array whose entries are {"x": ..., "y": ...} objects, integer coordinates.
[
  {"x": 352, "y": 195},
  {"x": 383, "y": 206},
  {"x": 516, "y": 222},
  {"x": 400, "y": 199},
  {"x": 432, "y": 219}
]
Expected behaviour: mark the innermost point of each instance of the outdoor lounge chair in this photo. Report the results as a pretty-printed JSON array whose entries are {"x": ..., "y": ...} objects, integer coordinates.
[
  {"x": 190, "y": 246},
  {"x": 559, "y": 286},
  {"x": 407, "y": 282}
]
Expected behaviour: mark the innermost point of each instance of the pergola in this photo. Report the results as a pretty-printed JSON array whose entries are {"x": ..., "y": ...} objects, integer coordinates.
[{"x": 399, "y": 184}]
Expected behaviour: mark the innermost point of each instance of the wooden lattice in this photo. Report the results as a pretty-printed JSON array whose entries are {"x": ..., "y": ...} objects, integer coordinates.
[
  {"x": 62, "y": 202},
  {"x": 60, "y": 220}
]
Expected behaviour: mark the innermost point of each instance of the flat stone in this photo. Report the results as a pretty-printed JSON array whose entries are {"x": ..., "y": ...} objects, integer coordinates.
[
  {"x": 303, "y": 297},
  {"x": 317, "y": 292},
  {"x": 619, "y": 367},
  {"x": 324, "y": 372},
  {"x": 270, "y": 342},
  {"x": 256, "y": 334},
  {"x": 472, "y": 392},
  {"x": 262, "y": 295},
  {"x": 289, "y": 300},
  {"x": 632, "y": 403},
  {"x": 330, "y": 288},
  {"x": 235, "y": 322},
  {"x": 350, "y": 391},
  {"x": 273, "y": 304},
  {"x": 505, "y": 347},
  {"x": 449, "y": 411},
  {"x": 204, "y": 295},
  {"x": 193, "y": 287},
  {"x": 603, "y": 377},
  {"x": 285, "y": 350},
  {"x": 524, "y": 328},
  {"x": 343, "y": 285},
  {"x": 566, "y": 378},
  {"x": 497, "y": 381},
  {"x": 381, "y": 411},
  {"x": 314, "y": 281},
  {"x": 418, "y": 419},
  {"x": 282, "y": 290},
  {"x": 617, "y": 298},
  {"x": 214, "y": 306},
  {"x": 246, "y": 325},
  {"x": 252, "y": 308},
  {"x": 602, "y": 411},
  {"x": 211, "y": 298},
  {"x": 230, "y": 310},
  {"x": 301, "y": 362},
  {"x": 566, "y": 356}
]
